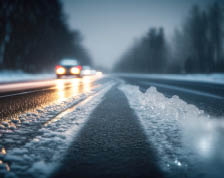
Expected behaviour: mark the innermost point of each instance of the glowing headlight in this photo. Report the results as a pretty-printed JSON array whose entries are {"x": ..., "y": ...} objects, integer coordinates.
[
  {"x": 99, "y": 73},
  {"x": 86, "y": 72},
  {"x": 75, "y": 70},
  {"x": 60, "y": 70}
]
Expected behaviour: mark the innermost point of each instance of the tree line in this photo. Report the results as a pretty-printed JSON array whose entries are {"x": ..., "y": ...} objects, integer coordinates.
[
  {"x": 196, "y": 47},
  {"x": 147, "y": 55},
  {"x": 34, "y": 36}
]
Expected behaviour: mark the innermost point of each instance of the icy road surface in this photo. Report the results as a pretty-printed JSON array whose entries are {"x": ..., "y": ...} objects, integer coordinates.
[
  {"x": 32, "y": 143},
  {"x": 113, "y": 126}
]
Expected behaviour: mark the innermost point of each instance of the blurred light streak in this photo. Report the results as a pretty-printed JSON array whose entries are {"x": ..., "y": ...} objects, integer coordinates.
[
  {"x": 75, "y": 86},
  {"x": 86, "y": 84},
  {"x": 60, "y": 84},
  {"x": 206, "y": 145},
  {"x": 99, "y": 74},
  {"x": 3, "y": 151},
  {"x": 7, "y": 167}
]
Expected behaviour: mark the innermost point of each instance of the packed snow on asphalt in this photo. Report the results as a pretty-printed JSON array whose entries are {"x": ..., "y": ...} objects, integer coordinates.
[
  {"x": 184, "y": 137},
  {"x": 188, "y": 141},
  {"x": 33, "y": 144}
]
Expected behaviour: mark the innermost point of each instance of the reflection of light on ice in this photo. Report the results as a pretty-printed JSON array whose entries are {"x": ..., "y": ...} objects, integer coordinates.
[
  {"x": 203, "y": 136},
  {"x": 204, "y": 146},
  {"x": 60, "y": 87},
  {"x": 99, "y": 74},
  {"x": 3, "y": 151},
  {"x": 75, "y": 85},
  {"x": 178, "y": 163},
  {"x": 206, "y": 138},
  {"x": 7, "y": 167},
  {"x": 60, "y": 84},
  {"x": 86, "y": 84}
]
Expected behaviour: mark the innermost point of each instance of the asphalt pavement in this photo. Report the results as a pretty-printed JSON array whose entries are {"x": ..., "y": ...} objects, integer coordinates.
[
  {"x": 21, "y": 97},
  {"x": 111, "y": 144}
]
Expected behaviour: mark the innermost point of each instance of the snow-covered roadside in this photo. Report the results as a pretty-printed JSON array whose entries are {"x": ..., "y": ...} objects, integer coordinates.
[
  {"x": 187, "y": 140},
  {"x": 38, "y": 156},
  {"x": 209, "y": 78},
  {"x": 17, "y": 76}
]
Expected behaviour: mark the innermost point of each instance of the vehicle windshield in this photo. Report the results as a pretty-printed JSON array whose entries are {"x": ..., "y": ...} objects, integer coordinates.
[{"x": 69, "y": 62}]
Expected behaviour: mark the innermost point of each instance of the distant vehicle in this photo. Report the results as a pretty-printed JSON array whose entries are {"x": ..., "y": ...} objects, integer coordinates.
[
  {"x": 87, "y": 70},
  {"x": 68, "y": 67}
]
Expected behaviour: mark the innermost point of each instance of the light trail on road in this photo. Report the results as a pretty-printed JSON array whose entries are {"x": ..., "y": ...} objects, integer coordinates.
[{"x": 28, "y": 96}]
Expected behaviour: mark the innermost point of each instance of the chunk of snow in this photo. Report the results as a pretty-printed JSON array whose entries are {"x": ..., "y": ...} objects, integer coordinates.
[{"x": 184, "y": 136}]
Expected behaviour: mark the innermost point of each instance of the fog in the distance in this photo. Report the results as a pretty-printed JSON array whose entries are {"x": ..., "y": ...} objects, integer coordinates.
[{"x": 109, "y": 27}]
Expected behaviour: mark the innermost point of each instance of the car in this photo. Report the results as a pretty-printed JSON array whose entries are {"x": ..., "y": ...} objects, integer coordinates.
[
  {"x": 87, "y": 70},
  {"x": 68, "y": 67}
]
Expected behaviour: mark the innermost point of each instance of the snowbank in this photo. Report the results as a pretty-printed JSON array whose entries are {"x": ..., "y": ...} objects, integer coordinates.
[
  {"x": 16, "y": 76},
  {"x": 184, "y": 137}
]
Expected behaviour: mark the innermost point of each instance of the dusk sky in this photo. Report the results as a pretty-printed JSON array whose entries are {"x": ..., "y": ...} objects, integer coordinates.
[{"x": 109, "y": 27}]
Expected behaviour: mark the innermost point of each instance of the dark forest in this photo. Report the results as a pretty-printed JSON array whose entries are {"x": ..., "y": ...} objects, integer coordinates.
[{"x": 34, "y": 36}]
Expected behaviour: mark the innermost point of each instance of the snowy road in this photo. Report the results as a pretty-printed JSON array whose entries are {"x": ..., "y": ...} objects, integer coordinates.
[{"x": 112, "y": 126}]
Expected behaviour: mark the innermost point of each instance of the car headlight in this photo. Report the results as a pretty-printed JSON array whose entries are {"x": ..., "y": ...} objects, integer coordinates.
[
  {"x": 75, "y": 70},
  {"x": 60, "y": 70}
]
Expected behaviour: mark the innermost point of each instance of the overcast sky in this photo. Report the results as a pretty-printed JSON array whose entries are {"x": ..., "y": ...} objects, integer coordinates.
[{"x": 110, "y": 26}]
